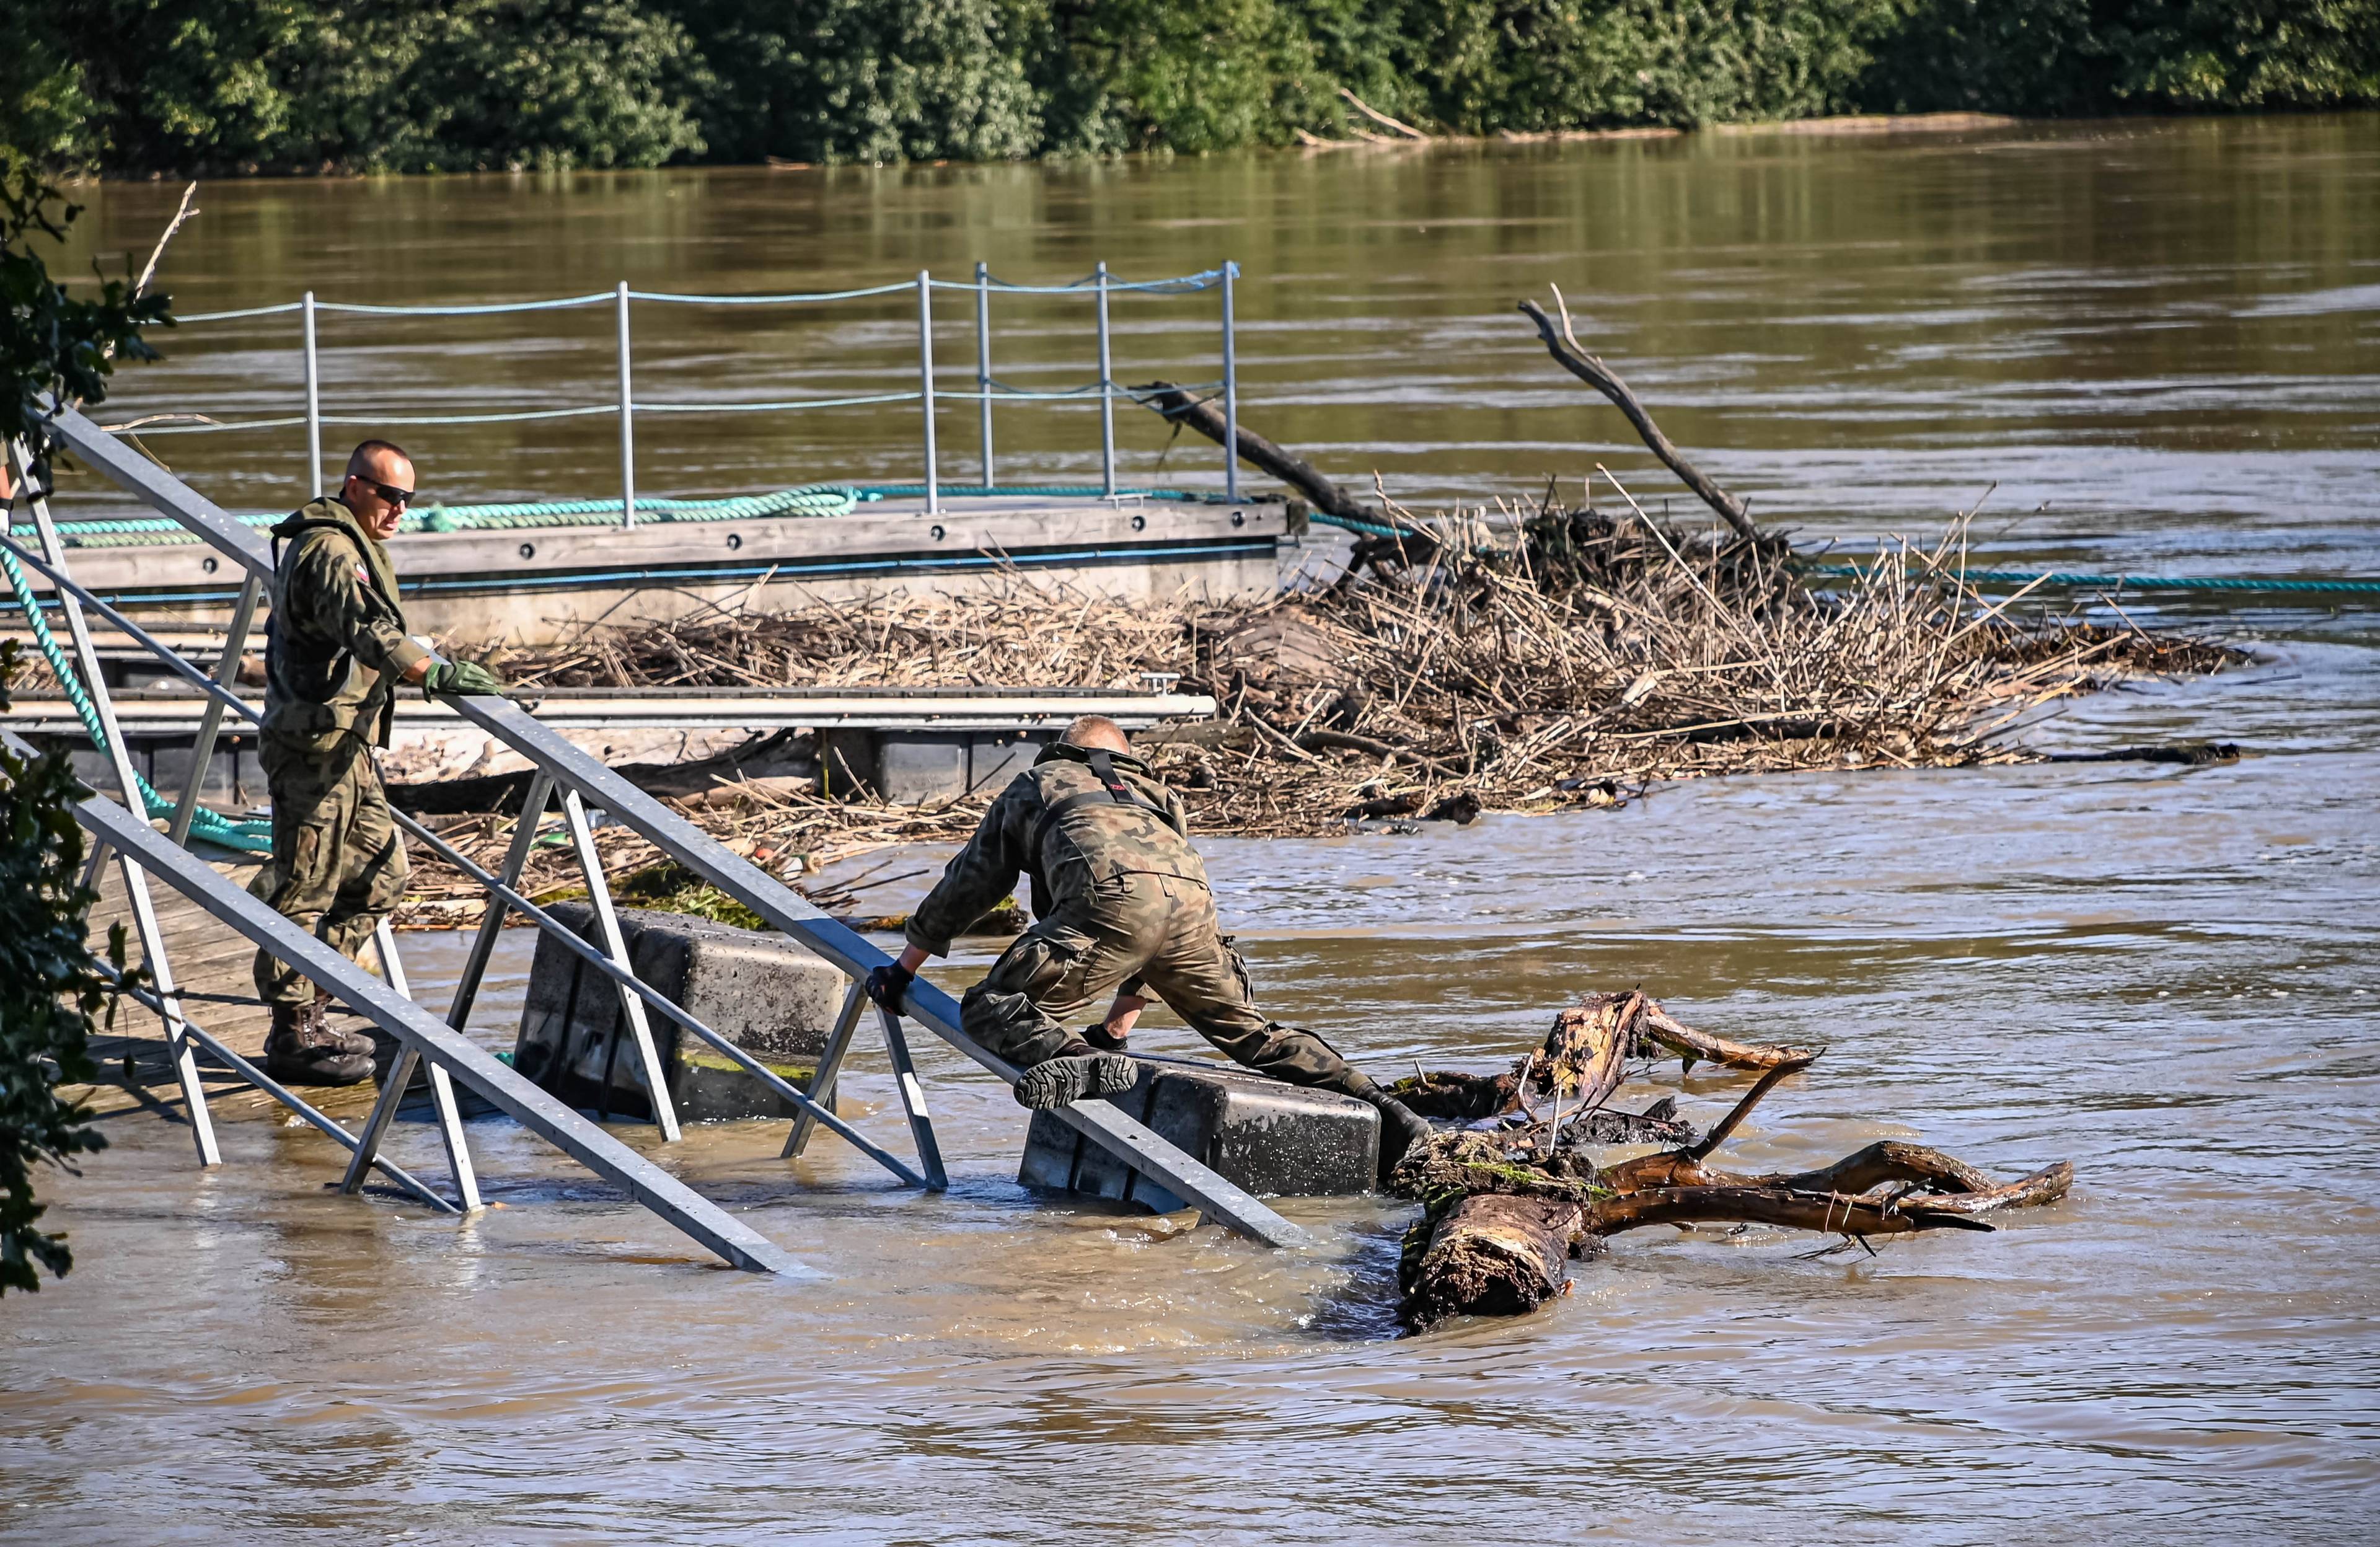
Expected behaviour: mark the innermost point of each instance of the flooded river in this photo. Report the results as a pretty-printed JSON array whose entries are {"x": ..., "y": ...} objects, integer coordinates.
[{"x": 2162, "y": 340}]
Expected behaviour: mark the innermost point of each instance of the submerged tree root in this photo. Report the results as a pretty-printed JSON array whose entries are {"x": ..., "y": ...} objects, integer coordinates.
[{"x": 1506, "y": 1210}]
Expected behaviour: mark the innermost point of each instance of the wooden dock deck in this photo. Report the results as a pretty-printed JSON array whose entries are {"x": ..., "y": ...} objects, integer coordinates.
[{"x": 212, "y": 966}]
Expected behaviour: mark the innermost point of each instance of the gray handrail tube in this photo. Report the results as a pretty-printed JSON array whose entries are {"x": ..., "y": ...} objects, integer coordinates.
[{"x": 1108, "y": 1126}]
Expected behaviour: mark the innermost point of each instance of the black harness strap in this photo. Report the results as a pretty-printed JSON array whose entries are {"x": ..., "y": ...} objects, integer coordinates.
[{"x": 1113, "y": 789}]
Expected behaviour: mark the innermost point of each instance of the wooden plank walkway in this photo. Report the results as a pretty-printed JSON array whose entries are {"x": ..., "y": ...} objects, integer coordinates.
[{"x": 212, "y": 965}]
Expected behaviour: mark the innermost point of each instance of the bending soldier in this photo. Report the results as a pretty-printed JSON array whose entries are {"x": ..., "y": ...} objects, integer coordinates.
[
  {"x": 1120, "y": 905},
  {"x": 336, "y": 650}
]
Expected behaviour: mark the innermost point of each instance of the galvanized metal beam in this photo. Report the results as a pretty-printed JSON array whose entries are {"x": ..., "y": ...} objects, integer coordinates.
[
  {"x": 136, "y": 884},
  {"x": 660, "y": 1003},
  {"x": 828, "y": 1070},
  {"x": 164, "y": 493},
  {"x": 913, "y": 1101},
  {"x": 616, "y": 948}
]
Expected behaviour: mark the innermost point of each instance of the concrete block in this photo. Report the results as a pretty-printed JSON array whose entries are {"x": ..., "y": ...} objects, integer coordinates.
[
  {"x": 1274, "y": 1139},
  {"x": 846, "y": 760},
  {"x": 996, "y": 757},
  {"x": 913, "y": 767},
  {"x": 760, "y": 990},
  {"x": 169, "y": 769},
  {"x": 97, "y": 769}
]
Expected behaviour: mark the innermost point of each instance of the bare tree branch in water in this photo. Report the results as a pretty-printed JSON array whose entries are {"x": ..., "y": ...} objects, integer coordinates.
[
  {"x": 1573, "y": 358},
  {"x": 1508, "y": 1207}
]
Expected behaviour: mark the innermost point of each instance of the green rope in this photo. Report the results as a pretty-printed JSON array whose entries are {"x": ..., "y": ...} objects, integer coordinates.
[
  {"x": 808, "y": 500},
  {"x": 2133, "y": 582},
  {"x": 213, "y": 827}
]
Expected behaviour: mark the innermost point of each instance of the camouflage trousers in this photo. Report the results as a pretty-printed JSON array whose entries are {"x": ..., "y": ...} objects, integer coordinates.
[
  {"x": 1143, "y": 934},
  {"x": 338, "y": 865}
]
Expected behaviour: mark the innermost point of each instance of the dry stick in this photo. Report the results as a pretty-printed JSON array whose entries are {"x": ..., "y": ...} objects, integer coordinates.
[
  {"x": 1725, "y": 612},
  {"x": 1573, "y": 357},
  {"x": 149, "y": 270},
  {"x": 1380, "y": 117}
]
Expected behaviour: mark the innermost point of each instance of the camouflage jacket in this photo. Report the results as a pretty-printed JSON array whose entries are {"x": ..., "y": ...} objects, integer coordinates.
[
  {"x": 335, "y": 645},
  {"x": 1067, "y": 829}
]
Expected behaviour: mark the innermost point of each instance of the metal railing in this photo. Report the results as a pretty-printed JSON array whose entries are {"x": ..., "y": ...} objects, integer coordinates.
[
  {"x": 1102, "y": 286},
  {"x": 563, "y": 771}
]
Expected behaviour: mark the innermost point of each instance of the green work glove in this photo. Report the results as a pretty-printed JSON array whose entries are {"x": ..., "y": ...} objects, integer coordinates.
[{"x": 459, "y": 676}]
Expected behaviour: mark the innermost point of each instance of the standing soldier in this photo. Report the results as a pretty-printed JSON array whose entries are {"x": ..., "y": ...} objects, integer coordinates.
[
  {"x": 1120, "y": 904},
  {"x": 335, "y": 649}
]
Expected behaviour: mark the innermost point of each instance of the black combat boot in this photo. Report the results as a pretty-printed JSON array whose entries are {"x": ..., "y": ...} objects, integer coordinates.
[
  {"x": 349, "y": 1042},
  {"x": 1401, "y": 1126},
  {"x": 1078, "y": 1074},
  {"x": 302, "y": 1050}
]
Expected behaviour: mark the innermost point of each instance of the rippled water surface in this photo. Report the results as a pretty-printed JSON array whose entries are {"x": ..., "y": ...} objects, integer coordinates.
[{"x": 2163, "y": 340}]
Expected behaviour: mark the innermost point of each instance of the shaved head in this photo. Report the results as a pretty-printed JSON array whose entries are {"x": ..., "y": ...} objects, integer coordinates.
[
  {"x": 382, "y": 461},
  {"x": 1096, "y": 731}
]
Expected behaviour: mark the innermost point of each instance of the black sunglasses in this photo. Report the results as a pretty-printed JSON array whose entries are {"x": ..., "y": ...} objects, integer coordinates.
[{"x": 394, "y": 496}]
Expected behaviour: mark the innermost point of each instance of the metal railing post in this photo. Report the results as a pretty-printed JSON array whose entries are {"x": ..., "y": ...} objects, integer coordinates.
[
  {"x": 983, "y": 364},
  {"x": 1107, "y": 396},
  {"x": 926, "y": 384},
  {"x": 627, "y": 422},
  {"x": 913, "y": 1101},
  {"x": 1230, "y": 388},
  {"x": 136, "y": 881},
  {"x": 475, "y": 968},
  {"x": 202, "y": 751},
  {"x": 314, "y": 405},
  {"x": 615, "y": 946},
  {"x": 830, "y": 1068},
  {"x": 442, "y": 1088}
]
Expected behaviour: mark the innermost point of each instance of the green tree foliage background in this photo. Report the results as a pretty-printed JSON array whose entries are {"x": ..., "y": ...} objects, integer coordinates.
[
  {"x": 303, "y": 85},
  {"x": 54, "y": 347}
]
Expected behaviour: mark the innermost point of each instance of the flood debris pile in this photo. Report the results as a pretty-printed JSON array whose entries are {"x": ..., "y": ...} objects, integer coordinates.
[
  {"x": 1551, "y": 656},
  {"x": 1511, "y": 1198}
]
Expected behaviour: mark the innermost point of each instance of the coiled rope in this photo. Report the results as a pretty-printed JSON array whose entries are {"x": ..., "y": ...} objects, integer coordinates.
[{"x": 256, "y": 837}]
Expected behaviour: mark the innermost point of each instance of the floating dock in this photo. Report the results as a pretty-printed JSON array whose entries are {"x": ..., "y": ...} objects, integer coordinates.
[{"x": 536, "y": 585}]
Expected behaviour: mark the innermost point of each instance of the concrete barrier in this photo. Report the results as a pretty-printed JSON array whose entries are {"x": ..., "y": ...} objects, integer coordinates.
[
  {"x": 910, "y": 768},
  {"x": 761, "y": 992},
  {"x": 1273, "y": 1139}
]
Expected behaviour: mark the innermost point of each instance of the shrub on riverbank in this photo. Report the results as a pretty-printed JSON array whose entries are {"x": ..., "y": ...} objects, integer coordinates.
[{"x": 303, "y": 85}]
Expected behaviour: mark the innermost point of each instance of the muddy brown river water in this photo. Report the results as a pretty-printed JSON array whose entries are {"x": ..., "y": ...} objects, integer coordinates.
[{"x": 2163, "y": 340}]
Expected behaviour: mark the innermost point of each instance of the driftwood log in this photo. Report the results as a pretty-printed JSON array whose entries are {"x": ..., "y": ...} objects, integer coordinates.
[
  {"x": 1570, "y": 356},
  {"x": 1640, "y": 1029},
  {"x": 1506, "y": 1209},
  {"x": 1200, "y": 414}
]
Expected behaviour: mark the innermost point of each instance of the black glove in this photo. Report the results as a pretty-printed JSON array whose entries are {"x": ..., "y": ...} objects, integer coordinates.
[
  {"x": 459, "y": 676},
  {"x": 889, "y": 984}
]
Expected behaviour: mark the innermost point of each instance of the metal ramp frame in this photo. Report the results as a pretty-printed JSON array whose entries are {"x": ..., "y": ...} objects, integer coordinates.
[{"x": 578, "y": 780}]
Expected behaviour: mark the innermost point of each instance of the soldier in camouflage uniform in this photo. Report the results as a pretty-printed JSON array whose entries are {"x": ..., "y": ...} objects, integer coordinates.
[
  {"x": 336, "y": 650},
  {"x": 1120, "y": 905}
]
